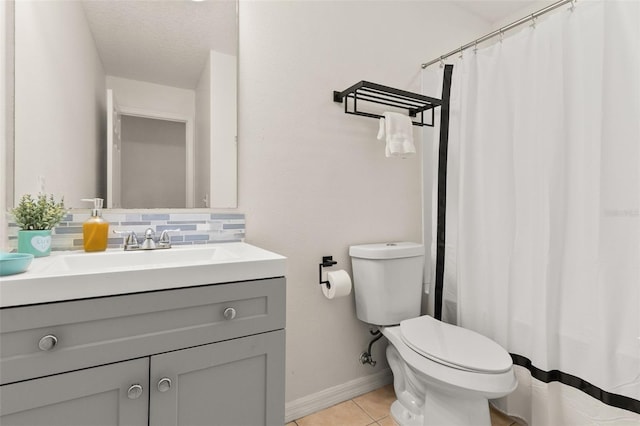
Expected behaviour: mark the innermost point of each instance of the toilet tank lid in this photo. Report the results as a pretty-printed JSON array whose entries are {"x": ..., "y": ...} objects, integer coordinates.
[{"x": 387, "y": 250}]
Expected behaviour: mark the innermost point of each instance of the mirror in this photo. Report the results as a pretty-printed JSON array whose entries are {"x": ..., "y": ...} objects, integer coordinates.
[{"x": 86, "y": 69}]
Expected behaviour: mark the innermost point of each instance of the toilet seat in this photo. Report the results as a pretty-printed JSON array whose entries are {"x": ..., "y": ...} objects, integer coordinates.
[
  {"x": 437, "y": 372},
  {"x": 454, "y": 346}
]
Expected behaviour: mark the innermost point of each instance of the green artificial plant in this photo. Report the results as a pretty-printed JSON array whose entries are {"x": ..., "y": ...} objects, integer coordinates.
[{"x": 41, "y": 213}]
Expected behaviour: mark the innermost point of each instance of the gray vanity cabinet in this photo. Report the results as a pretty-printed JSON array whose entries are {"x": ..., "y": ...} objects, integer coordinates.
[
  {"x": 206, "y": 355},
  {"x": 236, "y": 382},
  {"x": 95, "y": 396}
]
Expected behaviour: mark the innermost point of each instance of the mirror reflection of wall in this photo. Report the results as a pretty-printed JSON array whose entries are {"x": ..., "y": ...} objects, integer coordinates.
[
  {"x": 158, "y": 181},
  {"x": 68, "y": 53}
]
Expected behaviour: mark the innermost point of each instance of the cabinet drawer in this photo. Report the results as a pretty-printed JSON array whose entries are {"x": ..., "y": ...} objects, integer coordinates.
[{"x": 110, "y": 329}]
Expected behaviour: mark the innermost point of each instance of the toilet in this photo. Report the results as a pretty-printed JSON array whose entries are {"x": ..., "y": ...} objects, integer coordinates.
[{"x": 442, "y": 374}]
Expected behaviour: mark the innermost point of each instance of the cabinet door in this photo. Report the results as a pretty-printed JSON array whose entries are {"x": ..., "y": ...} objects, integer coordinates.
[
  {"x": 235, "y": 382},
  {"x": 95, "y": 396}
]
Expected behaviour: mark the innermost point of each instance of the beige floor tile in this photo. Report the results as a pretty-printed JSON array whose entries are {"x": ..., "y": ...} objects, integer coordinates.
[
  {"x": 346, "y": 413},
  {"x": 378, "y": 402},
  {"x": 500, "y": 419},
  {"x": 387, "y": 421},
  {"x": 372, "y": 409}
]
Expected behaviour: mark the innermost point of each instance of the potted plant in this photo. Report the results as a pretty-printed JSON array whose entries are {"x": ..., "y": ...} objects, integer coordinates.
[{"x": 36, "y": 218}]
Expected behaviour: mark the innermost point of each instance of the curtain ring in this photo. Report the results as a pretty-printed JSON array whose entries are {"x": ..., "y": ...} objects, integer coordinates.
[
  {"x": 501, "y": 35},
  {"x": 573, "y": 5},
  {"x": 475, "y": 47},
  {"x": 533, "y": 21},
  {"x": 441, "y": 61},
  {"x": 461, "y": 56}
]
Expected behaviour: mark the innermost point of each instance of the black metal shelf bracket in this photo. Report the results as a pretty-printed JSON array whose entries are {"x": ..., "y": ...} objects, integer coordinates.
[
  {"x": 327, "y": 262},
  {"x": 373, "y": 93}
]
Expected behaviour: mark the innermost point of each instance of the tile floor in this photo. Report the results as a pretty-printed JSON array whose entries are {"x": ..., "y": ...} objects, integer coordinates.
[{"x": 371, "y": 409}]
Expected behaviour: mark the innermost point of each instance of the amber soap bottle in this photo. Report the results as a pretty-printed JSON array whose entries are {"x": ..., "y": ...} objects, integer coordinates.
[{"x": 95, "y": 231}]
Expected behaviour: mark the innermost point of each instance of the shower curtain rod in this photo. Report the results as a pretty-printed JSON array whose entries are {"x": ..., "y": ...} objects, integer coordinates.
[{"x": 502, "y": 30}]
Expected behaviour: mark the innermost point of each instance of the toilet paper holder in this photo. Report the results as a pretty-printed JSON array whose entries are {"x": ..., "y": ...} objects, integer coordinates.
[{"x": 327, "y": 262}]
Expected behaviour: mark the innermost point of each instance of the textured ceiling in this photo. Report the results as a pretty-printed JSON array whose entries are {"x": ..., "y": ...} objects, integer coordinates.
[{"x": 161, "y": 41}]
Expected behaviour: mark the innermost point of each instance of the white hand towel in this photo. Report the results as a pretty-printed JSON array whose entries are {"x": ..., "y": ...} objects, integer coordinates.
[{"x": 399, "y": 134}]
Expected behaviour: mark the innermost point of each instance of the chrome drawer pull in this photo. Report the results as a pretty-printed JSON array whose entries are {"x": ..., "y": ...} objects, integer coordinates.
[
  {"x": 229, "y": 313},
  {"x": 164, "y": 384},
  {"x": 48, "y": 342},
  {"x": 134, "y": 392}
]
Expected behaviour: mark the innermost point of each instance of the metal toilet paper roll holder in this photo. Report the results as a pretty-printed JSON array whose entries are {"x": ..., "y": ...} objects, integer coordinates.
[{"x": 327, "y": 262}]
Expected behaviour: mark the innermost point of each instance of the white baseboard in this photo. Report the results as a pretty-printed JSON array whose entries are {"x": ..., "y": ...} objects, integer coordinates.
[{"x": 326, "y": 398}]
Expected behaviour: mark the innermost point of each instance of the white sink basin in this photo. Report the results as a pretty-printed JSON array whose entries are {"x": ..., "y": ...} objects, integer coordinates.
[
  {"x": 77, "y": 275},
  {"x": 176, "y": 256}
]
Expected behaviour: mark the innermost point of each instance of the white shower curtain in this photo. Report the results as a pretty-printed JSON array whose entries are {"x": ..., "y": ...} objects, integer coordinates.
[{"x": 543, "y": 219}]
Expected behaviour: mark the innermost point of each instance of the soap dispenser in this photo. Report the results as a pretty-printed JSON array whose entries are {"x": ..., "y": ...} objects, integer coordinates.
[{"x": 95, "y": 230}]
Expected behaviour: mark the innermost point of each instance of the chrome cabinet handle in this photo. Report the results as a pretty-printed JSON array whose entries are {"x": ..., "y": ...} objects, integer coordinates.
[
  {"x": 48, "y": 342},
  {"x": 229, "y": 313},
  {"x": 164, "y": 384},
  {"x": 134, "y": 391}
]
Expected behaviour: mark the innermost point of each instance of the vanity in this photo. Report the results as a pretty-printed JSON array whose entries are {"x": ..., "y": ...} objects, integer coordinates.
[{"x": 192, "y": 336}]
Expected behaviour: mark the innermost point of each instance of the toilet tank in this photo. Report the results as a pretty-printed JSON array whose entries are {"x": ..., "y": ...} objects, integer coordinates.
[{"x": 387, "y": 281}]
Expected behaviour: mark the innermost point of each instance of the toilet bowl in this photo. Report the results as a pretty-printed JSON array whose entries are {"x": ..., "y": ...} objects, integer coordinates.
[{"x": 442, "y": 374}]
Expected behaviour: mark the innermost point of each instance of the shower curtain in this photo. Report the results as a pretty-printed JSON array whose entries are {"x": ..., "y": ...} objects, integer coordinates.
[{"x": 543, "y": 210}]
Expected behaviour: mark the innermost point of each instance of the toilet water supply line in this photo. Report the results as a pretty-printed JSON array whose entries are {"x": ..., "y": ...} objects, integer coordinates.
[{"x": 365, "y": 357}]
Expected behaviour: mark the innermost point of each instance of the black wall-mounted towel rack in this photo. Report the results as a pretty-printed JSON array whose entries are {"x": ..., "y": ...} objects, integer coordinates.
[{"x": 413, "y": 103}]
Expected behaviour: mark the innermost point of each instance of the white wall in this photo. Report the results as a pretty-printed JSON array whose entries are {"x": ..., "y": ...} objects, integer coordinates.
[
  {"x": 313, "y": 180},
  {"x": 216, "y": 127},
  {"x": 153, "y": 97},
  {"x": 4, "y": 117},
  {"x": 59, "y": 108},
  {"x": 202, "y": 146},
  {"x": 224, "y": 125}
]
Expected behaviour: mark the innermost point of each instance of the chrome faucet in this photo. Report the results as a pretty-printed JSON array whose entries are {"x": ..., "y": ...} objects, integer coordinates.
[
  {"x": 131, "y": 240},
  {"x": 149, "y": 243},
  {"x": 165, "y": 239}
]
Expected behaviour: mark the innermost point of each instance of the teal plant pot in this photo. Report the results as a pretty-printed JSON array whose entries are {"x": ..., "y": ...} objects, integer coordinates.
[{"x": 37, "y": 243}]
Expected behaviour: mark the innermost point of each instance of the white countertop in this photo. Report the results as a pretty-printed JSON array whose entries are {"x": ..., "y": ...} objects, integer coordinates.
[{"x": 55, "y": 278}]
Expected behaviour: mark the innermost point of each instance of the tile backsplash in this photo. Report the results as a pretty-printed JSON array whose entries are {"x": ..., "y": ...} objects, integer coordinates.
[{"x": 192, "y": 228}]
